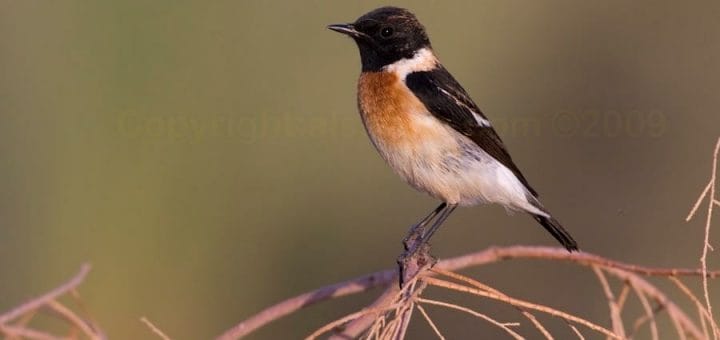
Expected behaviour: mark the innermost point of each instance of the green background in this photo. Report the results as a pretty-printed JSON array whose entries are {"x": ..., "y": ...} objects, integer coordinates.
[{"x": 208, "y": 159}]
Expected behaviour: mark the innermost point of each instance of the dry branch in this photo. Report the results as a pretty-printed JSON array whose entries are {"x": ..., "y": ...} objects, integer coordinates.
[
  {"x": 286, "y": 307},
  {"x": 484, "y": 257}
]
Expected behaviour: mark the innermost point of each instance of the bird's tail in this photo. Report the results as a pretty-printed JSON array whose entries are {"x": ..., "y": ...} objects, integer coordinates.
[{"x": 553, "y": 226}]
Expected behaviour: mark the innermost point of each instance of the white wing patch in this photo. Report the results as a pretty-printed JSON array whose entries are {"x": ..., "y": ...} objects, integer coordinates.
[{"x": 478, "y": 118}]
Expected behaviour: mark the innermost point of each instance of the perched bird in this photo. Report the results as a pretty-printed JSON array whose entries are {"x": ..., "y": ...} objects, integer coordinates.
[{"x": 426, "y": 127}]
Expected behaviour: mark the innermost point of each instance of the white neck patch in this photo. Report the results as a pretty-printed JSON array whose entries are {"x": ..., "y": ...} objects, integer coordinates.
[{"x": 422, "y": 60}]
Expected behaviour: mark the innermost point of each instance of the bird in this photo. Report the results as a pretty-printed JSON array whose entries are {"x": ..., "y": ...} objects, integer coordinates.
[{"x": 428, "y": 129}]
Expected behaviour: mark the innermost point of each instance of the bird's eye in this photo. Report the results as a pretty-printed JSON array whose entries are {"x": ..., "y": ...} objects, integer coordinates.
[{"x": 386, "y": 32}]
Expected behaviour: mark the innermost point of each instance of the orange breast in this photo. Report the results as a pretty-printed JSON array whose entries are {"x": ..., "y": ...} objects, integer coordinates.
[
  {"x": 416, "y": 145},
  {"x": 388, "y": 109}
]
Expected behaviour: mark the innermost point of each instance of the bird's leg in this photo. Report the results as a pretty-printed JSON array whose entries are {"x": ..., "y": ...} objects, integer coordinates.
[
  {"x": 418, "y": 229},
  {"x": 443, "y": 216},
  {"x": 427, "y": 234},
  {"x": 417, "y": 250}
]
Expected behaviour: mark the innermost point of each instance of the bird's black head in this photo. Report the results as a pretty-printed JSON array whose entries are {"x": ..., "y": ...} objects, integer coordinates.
[{"x": 385, "y": 35}]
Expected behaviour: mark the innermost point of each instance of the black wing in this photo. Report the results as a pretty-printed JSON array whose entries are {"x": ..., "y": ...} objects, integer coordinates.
[{"x": 449, "y": 102}]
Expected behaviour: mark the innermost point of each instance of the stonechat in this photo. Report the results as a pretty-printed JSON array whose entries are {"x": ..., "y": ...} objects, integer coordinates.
[{"x": 426, "y": 127}]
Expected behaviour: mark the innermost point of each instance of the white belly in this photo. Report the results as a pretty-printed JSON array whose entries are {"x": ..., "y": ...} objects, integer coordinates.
[{"x": 451, "y": 167}]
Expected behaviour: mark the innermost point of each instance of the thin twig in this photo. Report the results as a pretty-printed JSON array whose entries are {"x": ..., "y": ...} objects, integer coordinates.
[
  {"x": 485, "y": 287},
  {"x": 503, "y": 326},
  {"x": 706, "y": 244},
  {"x": 398, "y": 324},
  {"x": 649, "y": 312},
  {"x": 465, "y": 279},
  {"x": 695, "y": 206},
  {"x": 84, "y": 315},
  {"x": 373, "y": 332},
  {"x": 14, "y": 332},
  {"x": 701, "y": 308},
  {"x": 679, "y": 318},
  {"x": 24, "y": 320},
  {"x": 154, "y": 329},
  {"x": 347, "y": 318},
  {"x": 710, "y": 192},
  {"x": 357, "y": 326},
  {"x": 642, "y": 320},
  {"x": 622, "y": 298},
  {"x": 577, "y": 332},
  {"x": 615, "y": 317},
  {"x": 679, "y": 328},
  {"x": 430, "y": 322},
  {"x": 521, "y": 303},
  {"x": 703, "y": 323},
  {"x": 73, "y": 319},
  {"x": 412, "y": 290},
  {"x": 539, "y": 326}
]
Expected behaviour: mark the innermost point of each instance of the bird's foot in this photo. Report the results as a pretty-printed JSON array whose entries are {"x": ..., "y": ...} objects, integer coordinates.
[{"x": 413, "y": 260}]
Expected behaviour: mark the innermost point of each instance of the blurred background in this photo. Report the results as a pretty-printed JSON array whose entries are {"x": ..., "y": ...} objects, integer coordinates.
[{"x": 208, "y": 159}]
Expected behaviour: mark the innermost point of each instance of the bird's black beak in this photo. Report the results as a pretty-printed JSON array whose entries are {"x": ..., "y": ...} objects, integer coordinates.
[{"x": 347, "y": 29}]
